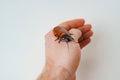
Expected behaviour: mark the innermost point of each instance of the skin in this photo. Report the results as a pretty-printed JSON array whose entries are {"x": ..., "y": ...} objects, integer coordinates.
[{"x": 62, "y": 60}]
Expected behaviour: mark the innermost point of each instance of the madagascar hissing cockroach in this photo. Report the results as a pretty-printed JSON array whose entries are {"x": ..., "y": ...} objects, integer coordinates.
[{"x": 62, "y": 34}]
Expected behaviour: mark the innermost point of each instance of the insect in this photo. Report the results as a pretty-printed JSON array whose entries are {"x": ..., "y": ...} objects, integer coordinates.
[{"x": 62, "y": 34}]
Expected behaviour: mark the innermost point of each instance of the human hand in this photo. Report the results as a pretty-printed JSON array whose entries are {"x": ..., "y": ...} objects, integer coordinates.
[{"x": 66, "y": 56}]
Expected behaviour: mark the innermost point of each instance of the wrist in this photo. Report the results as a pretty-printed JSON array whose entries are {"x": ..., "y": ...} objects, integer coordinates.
[{"x": 55, "y": 73}]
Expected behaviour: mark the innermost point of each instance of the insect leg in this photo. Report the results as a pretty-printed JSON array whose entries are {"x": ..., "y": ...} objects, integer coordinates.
[
  {"x": 56, "y": 38},
  {"x": 59, "y": 41},
  {"x": 71, "y": 34}
]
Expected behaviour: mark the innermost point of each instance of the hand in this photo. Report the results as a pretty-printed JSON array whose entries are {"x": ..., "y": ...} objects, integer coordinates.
[
  {"x": 84, "y": 28},
  {"x": 66, "y": 56}
]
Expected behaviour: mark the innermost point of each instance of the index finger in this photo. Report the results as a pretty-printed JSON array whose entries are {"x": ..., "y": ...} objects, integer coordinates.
[{"x": 75, "y": 23}]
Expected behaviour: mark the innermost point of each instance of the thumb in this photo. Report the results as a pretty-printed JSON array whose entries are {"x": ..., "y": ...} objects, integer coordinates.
[{"x": 76, "y": 34}]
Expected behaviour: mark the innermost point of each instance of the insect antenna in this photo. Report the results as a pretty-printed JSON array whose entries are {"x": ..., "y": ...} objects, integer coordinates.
[{"x": 68, "y": 47}]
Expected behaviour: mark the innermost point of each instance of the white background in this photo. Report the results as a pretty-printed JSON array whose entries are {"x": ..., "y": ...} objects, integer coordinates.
[{"x": 23, "y": 24}]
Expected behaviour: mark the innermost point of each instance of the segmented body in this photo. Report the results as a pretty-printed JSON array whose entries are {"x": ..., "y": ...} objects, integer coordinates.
[{"x": 62, "y": 34}]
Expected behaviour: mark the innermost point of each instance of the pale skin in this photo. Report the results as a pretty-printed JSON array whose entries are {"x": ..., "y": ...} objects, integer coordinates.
[{"x": 62, "y": 59}]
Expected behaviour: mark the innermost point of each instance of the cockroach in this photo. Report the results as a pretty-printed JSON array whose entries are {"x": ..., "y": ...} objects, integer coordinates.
[{"x": 62, "y": 34}]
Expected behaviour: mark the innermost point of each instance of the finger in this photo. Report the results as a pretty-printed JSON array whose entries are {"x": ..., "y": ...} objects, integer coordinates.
[
  {"x": 76, "y": 34},
  {"x": 75, "y": 23},
  {"x": 85, "y": 28},
  {"x": 80, "y": 39},
  {"x": 86, "y": 36},
  {"x": 85, "y": 42},
  {"x": 74, "y": 77}
]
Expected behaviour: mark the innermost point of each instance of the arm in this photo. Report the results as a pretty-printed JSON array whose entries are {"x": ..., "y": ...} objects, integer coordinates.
[{"x": 61, "y": 62}]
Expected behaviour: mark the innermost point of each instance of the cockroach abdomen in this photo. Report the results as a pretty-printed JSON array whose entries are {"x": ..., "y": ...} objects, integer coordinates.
[{"x": 66, "y": 38}]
